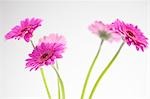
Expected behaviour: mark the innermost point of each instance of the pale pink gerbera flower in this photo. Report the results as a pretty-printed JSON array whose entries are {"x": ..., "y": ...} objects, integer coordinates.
[
  {"x": 131, "y": 34},
  {"x": 24, "y": 30},
  {"x": 104, "y": 31},
  {"x": 47, "y": 51}
]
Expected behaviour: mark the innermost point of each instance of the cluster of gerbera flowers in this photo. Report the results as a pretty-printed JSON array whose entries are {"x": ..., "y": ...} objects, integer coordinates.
[
  {"x": 117, "y": 30},
  {"x": 46, "y": 52},
  {"x": 48, "y": 49},
  {"x": 114, "y": 31},
  {"x": 51, "y": 47}
]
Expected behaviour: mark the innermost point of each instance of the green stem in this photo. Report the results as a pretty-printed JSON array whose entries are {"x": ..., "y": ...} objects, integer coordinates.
[
  {"x": 61, "y": 83},
  {"x": 104, "y": 71},
  {"x": 58, "y": 82},
  {"x": 90, "y": 70},
  {"x": 32, "y": 44},
  {"x": 45, "y": 83}
]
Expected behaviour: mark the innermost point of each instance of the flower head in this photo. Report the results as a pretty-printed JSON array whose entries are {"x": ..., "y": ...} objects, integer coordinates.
[
  {"x": 24, "y": 30},
  {"x": 53, "y": 38},
  {"x": 47, "y": 51},
  {"x": 131, "y": 34},
  {"x": 104, "y": 31}
]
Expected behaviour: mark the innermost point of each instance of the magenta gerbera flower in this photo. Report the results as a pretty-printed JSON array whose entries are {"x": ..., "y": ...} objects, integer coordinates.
[
  {"x": 47, "y": 51},
  {"x": 104, "y": 31},
  {"x": 24, "y": 30},
  {"x": 131, "y": 34}
]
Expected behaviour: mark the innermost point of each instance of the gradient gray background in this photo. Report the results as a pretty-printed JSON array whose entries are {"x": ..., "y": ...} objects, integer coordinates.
[{"x": 129, "y": 77}]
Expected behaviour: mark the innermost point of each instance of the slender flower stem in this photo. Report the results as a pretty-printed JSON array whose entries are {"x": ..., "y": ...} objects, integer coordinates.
[
  {"x": 58, "y": 82},
  {"x": 61, "y": 83},
  {"x": 32, "y": 44},
  {"x": 90, "y": 70},
  {"x": 43, "y": 77},
  {"x": 104, "y": 71},
  {"x": 45, "y": 83}
]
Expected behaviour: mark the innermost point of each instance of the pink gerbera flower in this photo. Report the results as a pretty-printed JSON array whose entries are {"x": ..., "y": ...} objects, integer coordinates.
[
  {"x": 47, "y": 51},
  {"x": 131, "y": 34},
  {"x": 24, "y": 30},
  {"x": 104, "y": 31}
]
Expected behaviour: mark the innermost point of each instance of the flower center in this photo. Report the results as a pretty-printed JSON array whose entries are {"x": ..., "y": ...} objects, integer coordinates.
[
  {"x": 130, "y": 34},
  {"x": 45, "y": 56},
  {"x": 104, "y": 35},
  {"x": 26, "y": 29}
]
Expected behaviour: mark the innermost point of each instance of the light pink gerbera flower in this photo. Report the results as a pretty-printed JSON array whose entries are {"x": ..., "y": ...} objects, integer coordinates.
[
  {"x": 104, "y": 31},
  {"x": 131, "y": 34},
  {"x": 24, "y": 30},
  {"x": 47, "y": 51}
]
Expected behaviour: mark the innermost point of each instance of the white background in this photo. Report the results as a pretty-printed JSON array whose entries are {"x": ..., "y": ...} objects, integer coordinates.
[{"x": 129, "y": 77}]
